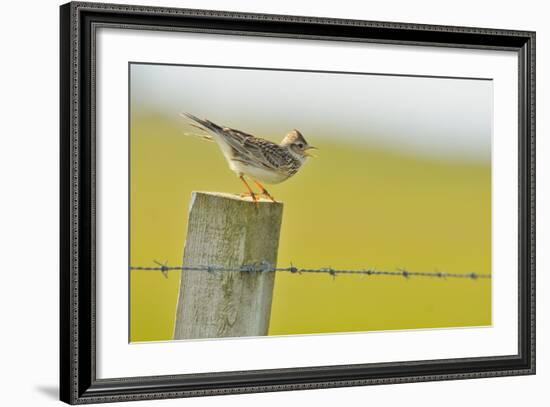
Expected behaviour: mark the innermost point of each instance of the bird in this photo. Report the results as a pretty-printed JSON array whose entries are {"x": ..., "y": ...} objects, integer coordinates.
[{"x": 260, "y": 160}]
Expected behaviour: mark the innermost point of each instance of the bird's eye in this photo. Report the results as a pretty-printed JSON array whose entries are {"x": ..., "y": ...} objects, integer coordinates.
[{"x": 300, "y": 145}]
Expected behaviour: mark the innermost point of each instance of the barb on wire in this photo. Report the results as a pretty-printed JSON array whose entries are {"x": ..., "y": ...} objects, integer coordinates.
[
  {"x": 163, "y": 268},
  {"x": 265, "y": 267}
]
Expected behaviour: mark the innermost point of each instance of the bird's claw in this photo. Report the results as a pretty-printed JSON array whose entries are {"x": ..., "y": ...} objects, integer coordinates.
[
  {"x": 249, "y": 195},
  {"x": 265, "y": 193}
]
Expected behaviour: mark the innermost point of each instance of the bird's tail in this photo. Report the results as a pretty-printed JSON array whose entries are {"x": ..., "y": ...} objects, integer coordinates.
[{"x": 202, "y": 124}]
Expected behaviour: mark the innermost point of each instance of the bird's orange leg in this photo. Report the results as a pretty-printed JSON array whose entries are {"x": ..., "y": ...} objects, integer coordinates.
[
  {"x": 264, "y": 191},
  {"x": 252, "y": 194}
]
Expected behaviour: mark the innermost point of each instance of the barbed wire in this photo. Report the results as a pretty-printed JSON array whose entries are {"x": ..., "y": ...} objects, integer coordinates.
[{"x": 265, "y": 267}]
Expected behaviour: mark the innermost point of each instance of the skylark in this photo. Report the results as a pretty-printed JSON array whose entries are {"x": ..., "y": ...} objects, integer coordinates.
[{"x": 260, "y": 160}]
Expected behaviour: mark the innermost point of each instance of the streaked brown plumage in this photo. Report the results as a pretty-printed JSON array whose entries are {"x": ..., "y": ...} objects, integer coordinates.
[{"x": 259, "y": 159}]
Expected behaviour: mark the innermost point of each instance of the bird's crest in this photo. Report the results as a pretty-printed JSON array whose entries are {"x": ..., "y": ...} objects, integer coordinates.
[{"x": 293, "y": 137}]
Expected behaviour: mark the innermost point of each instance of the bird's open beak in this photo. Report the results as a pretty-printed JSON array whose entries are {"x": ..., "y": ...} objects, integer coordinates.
[{"x": 308, "y": 154}]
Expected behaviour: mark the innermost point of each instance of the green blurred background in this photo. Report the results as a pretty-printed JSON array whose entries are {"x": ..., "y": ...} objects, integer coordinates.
[{"x": 358, "y": 205}]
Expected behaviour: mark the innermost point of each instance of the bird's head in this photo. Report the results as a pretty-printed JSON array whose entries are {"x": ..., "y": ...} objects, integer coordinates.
[{"x": 297, "y": 144}]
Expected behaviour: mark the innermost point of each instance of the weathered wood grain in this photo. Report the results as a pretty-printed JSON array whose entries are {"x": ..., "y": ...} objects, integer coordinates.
[{"x": 228, "y": 231}]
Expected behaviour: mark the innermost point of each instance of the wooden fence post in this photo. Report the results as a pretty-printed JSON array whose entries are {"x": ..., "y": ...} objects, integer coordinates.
[{"x": 226, "y": 230}]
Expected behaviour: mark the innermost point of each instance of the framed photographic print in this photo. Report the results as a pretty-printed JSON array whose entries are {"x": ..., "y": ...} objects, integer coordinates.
[{"x": 255, "y": 203}]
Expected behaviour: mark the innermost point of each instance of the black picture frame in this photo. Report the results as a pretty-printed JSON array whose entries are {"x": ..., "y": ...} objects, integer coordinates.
[{"x": 78, "y": 382}]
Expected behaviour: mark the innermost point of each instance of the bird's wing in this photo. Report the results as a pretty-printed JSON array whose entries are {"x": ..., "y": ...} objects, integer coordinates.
[{"x": 256, "y": 151}]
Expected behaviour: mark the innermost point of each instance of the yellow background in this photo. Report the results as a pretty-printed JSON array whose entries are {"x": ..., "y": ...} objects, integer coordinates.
[{"x": 352, "y": 207}]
